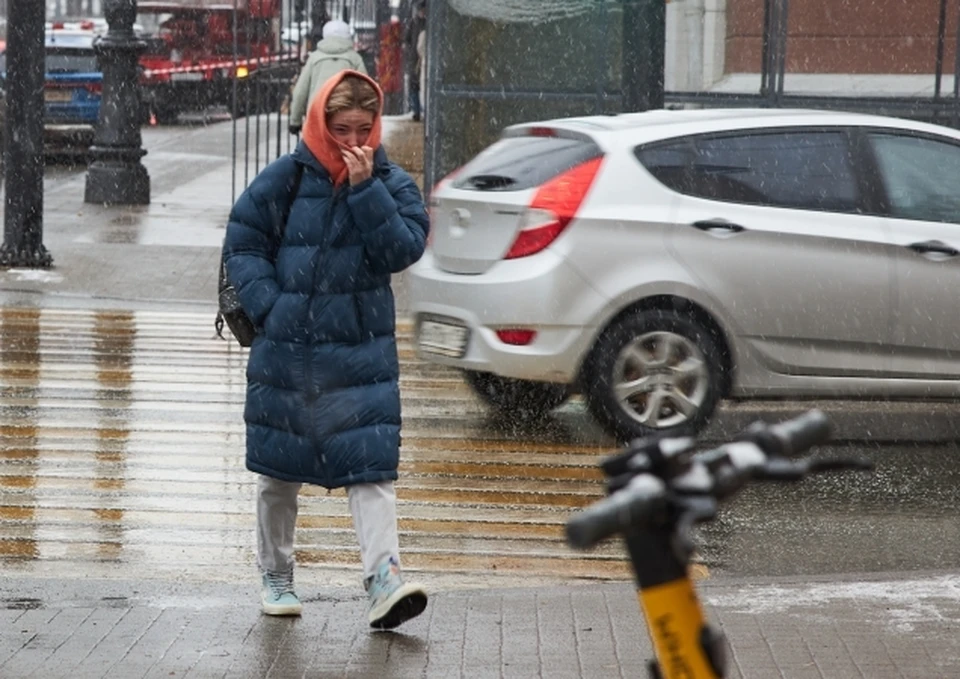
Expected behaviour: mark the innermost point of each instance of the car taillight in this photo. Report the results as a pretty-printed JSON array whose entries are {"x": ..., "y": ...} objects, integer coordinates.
[
  {"x": 516, "y": 336},
  {"x": 93, "y": 88},
  {"x": 553, "y": 208}
]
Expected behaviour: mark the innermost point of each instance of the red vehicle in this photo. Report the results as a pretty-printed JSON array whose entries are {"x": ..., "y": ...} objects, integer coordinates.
[{"x": 197, "y": 51}]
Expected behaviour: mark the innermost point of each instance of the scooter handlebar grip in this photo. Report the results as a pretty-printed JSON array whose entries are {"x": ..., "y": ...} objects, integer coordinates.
[
  {"x": 800, "y": 434},
  {"x": 631, "y": 506}
]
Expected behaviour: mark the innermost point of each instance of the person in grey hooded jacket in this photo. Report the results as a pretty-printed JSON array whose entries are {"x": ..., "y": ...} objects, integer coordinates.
[{"x": 333, "y": 54}]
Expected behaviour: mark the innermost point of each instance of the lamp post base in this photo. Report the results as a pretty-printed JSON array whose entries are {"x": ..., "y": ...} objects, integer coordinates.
[
  {"x": 37, "y": 257},
  {"x": 117, "y": 183}
]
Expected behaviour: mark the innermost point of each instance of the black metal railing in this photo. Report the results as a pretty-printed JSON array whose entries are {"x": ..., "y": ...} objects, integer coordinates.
[
  {"x": 944, "y": 110},
  {"x": 260, "y": 102}
]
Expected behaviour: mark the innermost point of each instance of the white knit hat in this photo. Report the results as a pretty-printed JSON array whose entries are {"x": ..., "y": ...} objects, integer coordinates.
[{"x": 336, "y": 29}]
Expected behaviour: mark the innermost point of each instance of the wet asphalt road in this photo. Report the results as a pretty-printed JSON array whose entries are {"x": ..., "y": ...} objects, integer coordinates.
[
  {"x": 900, "y": 517},
  {"x": 121, "y": 447}
]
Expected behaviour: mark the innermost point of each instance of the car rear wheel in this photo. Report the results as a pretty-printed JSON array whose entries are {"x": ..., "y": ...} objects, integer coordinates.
[
  {"x": 655, "y": 372},
  {"x": 522, "y": 398}
]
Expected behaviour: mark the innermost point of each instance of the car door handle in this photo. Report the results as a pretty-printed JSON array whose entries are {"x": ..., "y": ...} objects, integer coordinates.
[
  {"x": 717, "y": 225},
  {"x": 936, "y": 247}
]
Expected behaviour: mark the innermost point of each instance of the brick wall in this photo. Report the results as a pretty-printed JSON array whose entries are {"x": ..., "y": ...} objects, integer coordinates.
[{"x": 845, "y": 36}]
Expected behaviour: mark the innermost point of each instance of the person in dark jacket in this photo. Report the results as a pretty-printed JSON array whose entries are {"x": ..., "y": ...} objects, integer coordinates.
[
  {"x": 323, "y": 400},
  {"x": 411, "y": 55}
]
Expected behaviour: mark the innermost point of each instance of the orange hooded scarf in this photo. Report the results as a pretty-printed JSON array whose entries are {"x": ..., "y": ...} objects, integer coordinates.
[{"x": 316, "y": 134}]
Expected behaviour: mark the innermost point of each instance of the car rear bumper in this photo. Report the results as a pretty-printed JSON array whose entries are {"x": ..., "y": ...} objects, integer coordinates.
[
  {"x": 541, "y": 293},
  {"x": 71, "y": 141},
  {"x": 77, "y": 134},
  {"x": 71, "y": 114}
]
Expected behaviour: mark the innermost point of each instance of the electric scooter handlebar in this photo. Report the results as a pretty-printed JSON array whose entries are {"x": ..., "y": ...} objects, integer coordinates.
[{"x": 668, "y": 482}]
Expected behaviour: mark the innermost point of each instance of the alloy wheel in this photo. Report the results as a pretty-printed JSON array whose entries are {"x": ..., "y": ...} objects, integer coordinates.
[{"x": 661, "y": 379}]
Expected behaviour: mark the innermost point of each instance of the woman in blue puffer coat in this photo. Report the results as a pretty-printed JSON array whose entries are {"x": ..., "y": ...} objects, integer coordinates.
[{"x": 323, "y": 401}]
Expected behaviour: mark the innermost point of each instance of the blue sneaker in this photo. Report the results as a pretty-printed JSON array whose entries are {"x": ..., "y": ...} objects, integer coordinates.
[
  {"x": 392, "y": 601},
  {"x": 277, "y": 596}
]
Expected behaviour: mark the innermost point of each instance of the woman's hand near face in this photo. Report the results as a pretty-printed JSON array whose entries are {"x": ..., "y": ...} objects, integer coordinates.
[{"x": 359, "y": 162}]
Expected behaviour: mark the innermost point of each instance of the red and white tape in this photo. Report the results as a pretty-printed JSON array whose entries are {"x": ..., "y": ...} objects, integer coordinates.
[{"x": 249, "y": 64}]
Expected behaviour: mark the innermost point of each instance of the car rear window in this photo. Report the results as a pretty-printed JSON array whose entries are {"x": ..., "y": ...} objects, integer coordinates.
[
  {"x": 71, "y": 61},
  {"x": 520, "y": 163},
  {"x": 807, "y": 170}
]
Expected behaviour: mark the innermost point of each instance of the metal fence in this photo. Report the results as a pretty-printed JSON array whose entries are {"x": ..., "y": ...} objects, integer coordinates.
[
  {"x": 260, "y": 104},
  {"x": 938, "y": 106}
]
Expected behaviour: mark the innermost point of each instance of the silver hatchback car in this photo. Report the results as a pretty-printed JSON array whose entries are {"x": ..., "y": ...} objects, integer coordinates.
[{"x": 658, "y": 262}]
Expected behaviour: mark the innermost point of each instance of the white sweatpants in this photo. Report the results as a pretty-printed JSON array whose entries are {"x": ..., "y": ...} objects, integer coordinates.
[{"x": 374, "y": 510}]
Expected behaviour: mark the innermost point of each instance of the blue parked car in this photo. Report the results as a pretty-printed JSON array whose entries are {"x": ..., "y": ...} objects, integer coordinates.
[
  {"x": 72, "y": 90},
  {"x": 74, "y": 81}
]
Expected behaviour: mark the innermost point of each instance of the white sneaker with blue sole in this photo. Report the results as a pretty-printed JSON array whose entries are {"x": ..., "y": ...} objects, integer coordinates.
[
  {"x": 393, "y": 601},
  {"x": 277, "y": 596}
]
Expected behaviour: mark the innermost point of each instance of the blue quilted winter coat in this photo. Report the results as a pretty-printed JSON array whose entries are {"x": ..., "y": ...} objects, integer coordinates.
[{"x": 323, "y": 400}]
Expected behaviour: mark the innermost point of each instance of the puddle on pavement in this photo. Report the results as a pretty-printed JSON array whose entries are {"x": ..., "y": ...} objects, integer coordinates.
[
  {"x": 114, "y": 335},
  {"x": 20, "y": 360},
  {"x": 129, "y": 219},
  {"x": 124, "y": 229},
  {"x": 22, "y": 604},
  {"x": 122, "y": 443}
]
